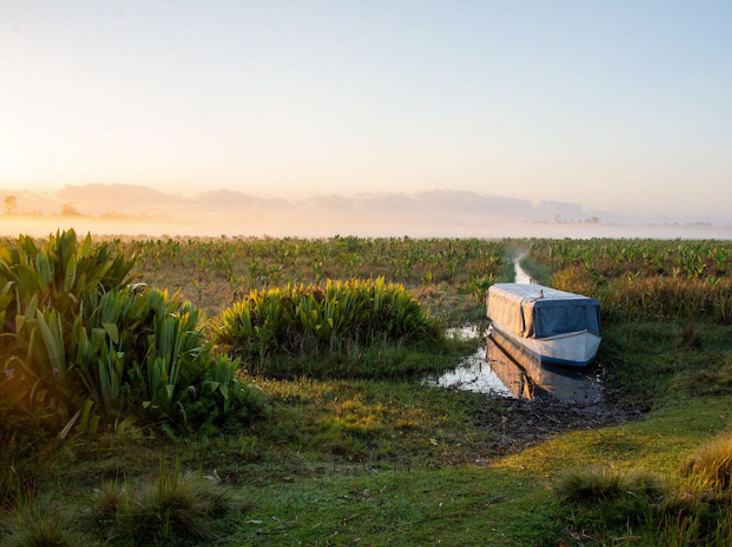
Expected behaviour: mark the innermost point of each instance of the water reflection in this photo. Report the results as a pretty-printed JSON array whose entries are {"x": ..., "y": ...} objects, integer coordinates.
[
  {"x": 521, "y": 275},
  {"x": 503, "y": 368},
  {"x": 474, "y": 374},
  {"x": 527, "y": 378}
]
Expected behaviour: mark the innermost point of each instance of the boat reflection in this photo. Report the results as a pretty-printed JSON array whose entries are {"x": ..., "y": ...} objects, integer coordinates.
[
  {"x": 527, "y": 378},
  {"x": 505, "y": 369}
]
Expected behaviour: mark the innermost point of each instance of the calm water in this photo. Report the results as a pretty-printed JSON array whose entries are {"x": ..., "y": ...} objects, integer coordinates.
[
  {"x": 521, "y": 275},
  {"x": 474, "y": 373},
  {"x": 514, "y": 373}
]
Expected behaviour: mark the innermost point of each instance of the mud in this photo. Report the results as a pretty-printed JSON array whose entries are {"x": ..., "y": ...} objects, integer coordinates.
[{"x": 523, "y": 423}]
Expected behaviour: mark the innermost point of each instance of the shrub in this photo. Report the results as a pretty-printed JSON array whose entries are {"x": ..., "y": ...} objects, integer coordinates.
[{"x": 44, "y": 290}]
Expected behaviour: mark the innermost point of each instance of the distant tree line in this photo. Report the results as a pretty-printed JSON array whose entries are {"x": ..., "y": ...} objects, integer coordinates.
[{"x": 67, "y": 209}]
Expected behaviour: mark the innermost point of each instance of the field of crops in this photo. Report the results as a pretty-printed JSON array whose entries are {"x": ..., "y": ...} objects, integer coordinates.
[{"x": 269, "y": 392}]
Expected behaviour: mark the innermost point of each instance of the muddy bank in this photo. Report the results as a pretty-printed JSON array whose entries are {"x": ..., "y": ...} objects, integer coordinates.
[{"x": 523, "y": 422}]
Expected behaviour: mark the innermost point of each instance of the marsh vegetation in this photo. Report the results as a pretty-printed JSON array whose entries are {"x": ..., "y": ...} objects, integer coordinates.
[{"x": 268, "y": 392}]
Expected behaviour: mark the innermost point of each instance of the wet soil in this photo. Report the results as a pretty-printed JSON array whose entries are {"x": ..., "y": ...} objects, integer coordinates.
[{"x": 523, "y": 423}]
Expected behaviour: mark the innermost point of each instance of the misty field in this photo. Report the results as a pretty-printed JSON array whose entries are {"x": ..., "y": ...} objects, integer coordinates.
[{"x": 268, "y": 391}]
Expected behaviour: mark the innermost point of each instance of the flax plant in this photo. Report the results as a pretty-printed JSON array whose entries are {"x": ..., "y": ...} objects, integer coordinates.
[
  {"x": 295, "y": 318},
  {"x": 80, "y": 343}
]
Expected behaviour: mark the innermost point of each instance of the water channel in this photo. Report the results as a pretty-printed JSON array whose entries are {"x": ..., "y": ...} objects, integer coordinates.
[{"x": 505, "y": 369}]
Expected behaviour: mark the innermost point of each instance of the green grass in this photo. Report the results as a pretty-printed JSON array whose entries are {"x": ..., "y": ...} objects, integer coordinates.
[
  {"x": 44, "y": 524},
  {"x": 453, "y": 506},
  {"x": 647, "y": 363},
  {"x": 340, "y": 459},
  {"x": 401, "y": 463}
]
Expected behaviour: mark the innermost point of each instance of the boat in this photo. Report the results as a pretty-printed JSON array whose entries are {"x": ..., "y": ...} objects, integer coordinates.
[{"x": 554, "y": 326}]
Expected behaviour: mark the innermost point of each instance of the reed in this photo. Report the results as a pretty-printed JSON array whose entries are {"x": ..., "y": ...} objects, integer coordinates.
[
  {"x": 641, "y": 280},
  {"x": 216, "y": 272}
]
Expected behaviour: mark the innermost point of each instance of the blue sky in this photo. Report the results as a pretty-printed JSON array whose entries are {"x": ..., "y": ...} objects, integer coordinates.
[{"x": 616, "y": 105}]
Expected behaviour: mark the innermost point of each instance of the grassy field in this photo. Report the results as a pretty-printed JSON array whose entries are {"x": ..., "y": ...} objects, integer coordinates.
[{"x": 343, "y": 459}]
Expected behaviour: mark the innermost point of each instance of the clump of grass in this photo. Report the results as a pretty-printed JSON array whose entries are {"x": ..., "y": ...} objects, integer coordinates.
[
  {"x": 43, "y": 525},
  {"x": 706, "y": 374},
  {"x": 711, "y": 465},
  {"x": 697, "y": 512},
  {"x": 25, "y": 449},
  {"x": 616, "y": 495},
  {"x": 175, "y": 508},
  {"x": 693, "y": 517}
]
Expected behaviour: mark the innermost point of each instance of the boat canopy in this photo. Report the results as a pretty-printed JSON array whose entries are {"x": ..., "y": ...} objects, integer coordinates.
[{"x": 534, "y": 311}]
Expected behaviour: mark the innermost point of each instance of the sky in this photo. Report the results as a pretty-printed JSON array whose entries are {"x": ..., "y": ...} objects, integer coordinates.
[{"x": 619, "y": 105}]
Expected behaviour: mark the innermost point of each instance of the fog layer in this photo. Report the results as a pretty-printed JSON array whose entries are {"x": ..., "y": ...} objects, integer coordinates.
[{"x": 139, "y": 210}]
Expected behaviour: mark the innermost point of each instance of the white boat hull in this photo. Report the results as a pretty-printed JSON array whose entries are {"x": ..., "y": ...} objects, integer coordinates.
[{"x": 576, "y": 349}]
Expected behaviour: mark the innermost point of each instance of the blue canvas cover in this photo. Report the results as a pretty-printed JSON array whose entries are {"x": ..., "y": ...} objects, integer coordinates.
[{"x": 534, "y": 311}]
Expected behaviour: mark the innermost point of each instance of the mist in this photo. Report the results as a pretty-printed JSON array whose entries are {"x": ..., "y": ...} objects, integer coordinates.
[{"x": 139, "y": 211}]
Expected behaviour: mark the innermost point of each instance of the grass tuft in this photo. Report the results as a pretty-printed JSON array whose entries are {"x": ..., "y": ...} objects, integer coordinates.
[
  {"x": 690, "y": 338},
  {"x": 618, "y": 496},
  {"x": 42, "y": 525},
  {"x": 711, "y": 465},
  {"x": 176, "y": 508}
]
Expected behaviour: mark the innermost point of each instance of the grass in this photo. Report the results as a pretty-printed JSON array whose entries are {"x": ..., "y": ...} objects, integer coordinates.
[
  {"x": 214, "y": 273},
  {"x": 449, "y": 506},
  {"x": 177, "y": 509},
  {"x": 614, "y": 497},
  {"x": 343, "y": 459},
  {"x": 381, "y": 359},
  {"x": 712, "y": 464},
  {"x": 401, "y": 463},
  {"x": 44, "y": 524}
]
